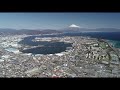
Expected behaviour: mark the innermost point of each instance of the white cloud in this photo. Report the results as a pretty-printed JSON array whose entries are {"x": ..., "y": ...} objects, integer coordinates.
[{"x": 73, "y": 25}]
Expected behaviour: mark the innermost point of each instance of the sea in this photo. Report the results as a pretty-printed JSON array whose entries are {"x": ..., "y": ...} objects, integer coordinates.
[{"x": 56, "y": 47}]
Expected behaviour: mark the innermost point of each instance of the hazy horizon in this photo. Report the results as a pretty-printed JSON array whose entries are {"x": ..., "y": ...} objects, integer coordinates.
[{"x": 59, "y": 20}]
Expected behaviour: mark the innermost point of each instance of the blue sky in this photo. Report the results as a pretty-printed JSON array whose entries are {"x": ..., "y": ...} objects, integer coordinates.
[{"x": 59, "y": 20}]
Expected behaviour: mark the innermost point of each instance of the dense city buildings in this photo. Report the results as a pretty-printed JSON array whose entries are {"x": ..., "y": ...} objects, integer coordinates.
[{"x": 87, "y": 57}]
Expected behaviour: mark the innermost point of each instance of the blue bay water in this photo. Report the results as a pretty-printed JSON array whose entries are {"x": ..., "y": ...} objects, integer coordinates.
[
  {"x": 48, "y": 47},
  {"x": 57, "y": 47}
]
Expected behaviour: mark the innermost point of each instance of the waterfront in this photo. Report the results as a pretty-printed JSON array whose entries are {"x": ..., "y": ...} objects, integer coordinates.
[
  {"x": 46, "y": 47},
  {"x": 88, "y": 57},
  {"x": 58, "y": 47}
]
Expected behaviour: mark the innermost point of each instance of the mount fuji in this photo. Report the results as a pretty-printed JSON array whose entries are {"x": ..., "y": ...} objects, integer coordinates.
[
  {"x": 72, "y": 29},
  {"x": 77, "y": 29},
  {"x": 74, "y": 26}
]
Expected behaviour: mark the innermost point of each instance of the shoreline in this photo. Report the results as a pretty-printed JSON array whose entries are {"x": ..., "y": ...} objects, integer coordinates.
[{"x": 76, "y": 62}]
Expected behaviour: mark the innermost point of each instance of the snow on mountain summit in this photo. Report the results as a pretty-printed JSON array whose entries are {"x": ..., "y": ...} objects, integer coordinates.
[{"x": 73, "y": 25}]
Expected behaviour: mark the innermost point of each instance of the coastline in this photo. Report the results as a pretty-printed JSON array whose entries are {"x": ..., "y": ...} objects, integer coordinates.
[
  {"x": 85, "y": 59},
  {"x": 115, "y": 43}
]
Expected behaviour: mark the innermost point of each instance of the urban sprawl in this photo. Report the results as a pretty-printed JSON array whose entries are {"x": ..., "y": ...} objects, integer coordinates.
[{"x": 88, "y": 57}]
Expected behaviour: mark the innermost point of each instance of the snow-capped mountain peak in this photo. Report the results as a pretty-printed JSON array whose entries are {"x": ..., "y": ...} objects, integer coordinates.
[{"x": 73, "y": 25}]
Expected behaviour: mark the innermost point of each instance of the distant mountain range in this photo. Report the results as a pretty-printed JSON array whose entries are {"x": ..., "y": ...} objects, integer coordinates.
[
  {"x": 74, "y": 29},
  {"x": 26, "y": 31}
]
